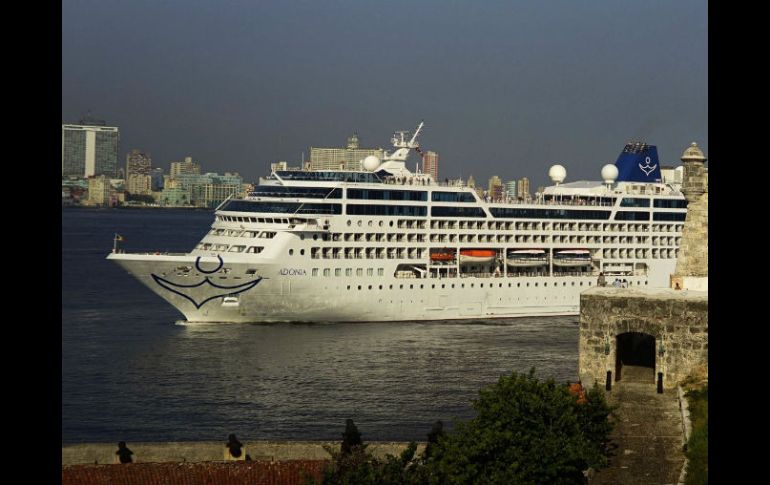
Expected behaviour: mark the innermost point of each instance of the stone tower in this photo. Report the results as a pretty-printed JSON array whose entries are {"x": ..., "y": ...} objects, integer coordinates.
[{"x": 692, "y": 264}]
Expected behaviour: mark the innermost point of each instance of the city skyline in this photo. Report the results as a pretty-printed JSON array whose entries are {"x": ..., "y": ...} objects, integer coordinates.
[{"x": 504, "y": 89}]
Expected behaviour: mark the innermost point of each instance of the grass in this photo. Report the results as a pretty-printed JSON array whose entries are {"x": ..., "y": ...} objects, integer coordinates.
[{"x": 698, "y": 445}]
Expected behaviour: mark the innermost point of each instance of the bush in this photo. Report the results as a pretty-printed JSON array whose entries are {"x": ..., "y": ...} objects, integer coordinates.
[{"x": 526, "y": 432}]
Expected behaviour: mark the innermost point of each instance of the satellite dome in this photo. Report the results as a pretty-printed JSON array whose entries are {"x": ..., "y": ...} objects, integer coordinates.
[
  {"x": 371, "y": 163},
  {"x": 609, "y": 173},
  {"x": 557, "y": 173}
]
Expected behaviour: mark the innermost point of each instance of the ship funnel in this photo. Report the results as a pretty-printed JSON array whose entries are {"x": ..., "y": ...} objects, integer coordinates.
[{"x": 638, "y": 162}]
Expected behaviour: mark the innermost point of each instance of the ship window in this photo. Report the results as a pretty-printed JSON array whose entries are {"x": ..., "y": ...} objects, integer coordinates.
[
  {"x": 302, "y": 252},
  {"x": 315, "y": 271},
  {"x": 291, "y": 252},
  {"x": 251, "y": 271},
  {"x": 348, "y": 287},
  {"x": 350, "y": 222},
  {"x": 385, "y": 210},
  {"x": 380, "y": 286},
  {"x": 390, "y": 287},
  {"x": 237, "y": 249},
  {"x": 411, "y": 287},
  {"x": 381, "y": 272},
  {"x": 359, "y": 287},
  {"x": 400, "y": 287},
  {"x": 327, "y": 272},
  {"x": 370, "y": 287},
  {"x": 372, "y": 194},
  {"x": 359, "y": 272},
  {"x": 255, "y": 249},
  {"x": 369, "y": 271}
]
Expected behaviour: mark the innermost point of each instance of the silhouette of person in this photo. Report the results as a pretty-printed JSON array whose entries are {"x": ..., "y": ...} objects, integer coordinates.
[
  {"x": 234, "y": 447},
  {"x": 602, "y": 281},
  {"x": 123, "y": 453}
]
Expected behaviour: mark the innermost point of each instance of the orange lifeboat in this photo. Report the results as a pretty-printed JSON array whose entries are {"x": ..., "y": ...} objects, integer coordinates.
[
  {"x": 442, "y": 255},
  {"x": 477, "y": 255}
]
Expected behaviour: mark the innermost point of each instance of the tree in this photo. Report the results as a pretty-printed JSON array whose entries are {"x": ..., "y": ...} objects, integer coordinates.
[
  {"x": 350, "y": 438},
  {"x": 526, "y": 432}
]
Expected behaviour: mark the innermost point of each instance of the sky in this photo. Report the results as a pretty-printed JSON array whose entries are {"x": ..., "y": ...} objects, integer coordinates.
[{"x": 505, "y": 88}]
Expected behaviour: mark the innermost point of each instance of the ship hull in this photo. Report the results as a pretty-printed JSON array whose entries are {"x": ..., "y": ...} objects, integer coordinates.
[{"x": 276, "y": 294}]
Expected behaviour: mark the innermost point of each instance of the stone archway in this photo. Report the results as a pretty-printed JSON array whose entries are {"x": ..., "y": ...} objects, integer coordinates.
[{"x": 635, "y": 351}]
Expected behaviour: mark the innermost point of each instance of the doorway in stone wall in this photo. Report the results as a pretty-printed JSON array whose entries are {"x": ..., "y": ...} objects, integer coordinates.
[{"x": 635, "y": 357}]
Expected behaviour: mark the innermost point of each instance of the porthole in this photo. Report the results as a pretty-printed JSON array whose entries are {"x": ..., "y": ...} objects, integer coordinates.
[
  {"x": 315, "y": 237},
  {"x": 380, "y": 286},
  {"x": 390, "y": 223},
  {"x": 302, "y": 252},
  {"x": 370, "y": 223},
  {"x": 359, "y": 287},
  {"x": 381, "y": 223},
  {"x": 350, "y": 223},
  {"x": 370, "y": 287},
  {"x": 291, "y": 252},
  {"x": 359, "y": 223}
]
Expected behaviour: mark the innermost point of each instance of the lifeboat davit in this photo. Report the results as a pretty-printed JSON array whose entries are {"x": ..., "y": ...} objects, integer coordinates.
[
  {"x": 477, "y": 256},
  {"x": 442, "y": 255}
]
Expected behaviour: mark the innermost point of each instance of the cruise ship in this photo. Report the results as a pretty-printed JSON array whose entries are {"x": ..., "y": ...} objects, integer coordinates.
[{"x": 386, "y": 244}]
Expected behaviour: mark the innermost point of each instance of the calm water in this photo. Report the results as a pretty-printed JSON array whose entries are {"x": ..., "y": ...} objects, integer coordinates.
[{"x": 129, "y": 372}]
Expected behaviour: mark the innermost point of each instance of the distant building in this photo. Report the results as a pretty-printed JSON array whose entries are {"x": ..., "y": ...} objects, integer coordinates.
[
  {"x": 430, "y": 164},
  {"x": 347, "y": 158},
  {"x": 207, "y": 190},
  {"x": 523, "y": 189},
  {"x": 510, "y": 189},
  {"x": 495, "y": 190},
  {"x": 138, "y": 184},
  {"x": 671, "y": 175},
  {"x": 274, "y": 167},
  {"x": 186, "y": 167},
  {"x": 138, "y": 163},
  {"x": 100, "y": 191},
  {"x": 88, "y": 150},
  {"x": 157, "y": 178}
]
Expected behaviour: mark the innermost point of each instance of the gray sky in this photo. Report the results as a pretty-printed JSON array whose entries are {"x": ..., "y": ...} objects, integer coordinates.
[{"x": 505, "y": 87}]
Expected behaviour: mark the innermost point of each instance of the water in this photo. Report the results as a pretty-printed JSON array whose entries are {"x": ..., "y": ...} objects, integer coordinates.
[{"x": 130, "y": 372}]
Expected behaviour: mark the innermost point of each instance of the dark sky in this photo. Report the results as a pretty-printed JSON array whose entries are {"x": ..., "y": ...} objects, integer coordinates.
[{"x": 505, "y": 87}]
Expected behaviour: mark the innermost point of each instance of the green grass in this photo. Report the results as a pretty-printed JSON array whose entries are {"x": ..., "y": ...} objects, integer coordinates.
[{"x": 698, "y": 445}]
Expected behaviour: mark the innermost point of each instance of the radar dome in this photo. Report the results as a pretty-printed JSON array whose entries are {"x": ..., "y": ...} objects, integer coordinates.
[
  {"x": 371, "y": 163},
  {"x": 609, "y": 173},
  {"x": 557, "y": 173}
]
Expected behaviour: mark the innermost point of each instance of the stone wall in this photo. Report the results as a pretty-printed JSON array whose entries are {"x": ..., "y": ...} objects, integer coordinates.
[
  {"x": 198, "y": 451},
  {"x": 677, "y": 319}
]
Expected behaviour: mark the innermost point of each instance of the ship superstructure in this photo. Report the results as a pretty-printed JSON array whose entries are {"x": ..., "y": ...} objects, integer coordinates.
[{"x": 386, "y": 244}]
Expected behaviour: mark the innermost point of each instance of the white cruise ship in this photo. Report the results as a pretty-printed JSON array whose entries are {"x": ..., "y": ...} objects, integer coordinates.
[{"x": 385, "y": 244}]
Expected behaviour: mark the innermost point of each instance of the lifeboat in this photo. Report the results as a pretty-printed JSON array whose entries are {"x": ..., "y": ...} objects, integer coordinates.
[
  {"x": 572, "y": 258},
  {"x": 442, "y": 255},
  {"x": 527, "y": 258},
  {"x": 477, "y": 256}
]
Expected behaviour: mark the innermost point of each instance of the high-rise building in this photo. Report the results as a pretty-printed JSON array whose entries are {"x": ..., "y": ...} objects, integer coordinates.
[
  {"x": 88, "y": 150},
  {"x": 138, "y": 163},
  {"x": 100, "y": 190},
  {"x": 186, "y": 167},
  {"x": 523, "y": 190},
  {"x": 138, "y": 184},
  {"x": 495, "y": 190},
  {"x": 347, "y": 158},
  {"x": 157, "y": 178},
  {"x": 430, "y": 164},
  {"x": 510, "y": 189}
]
